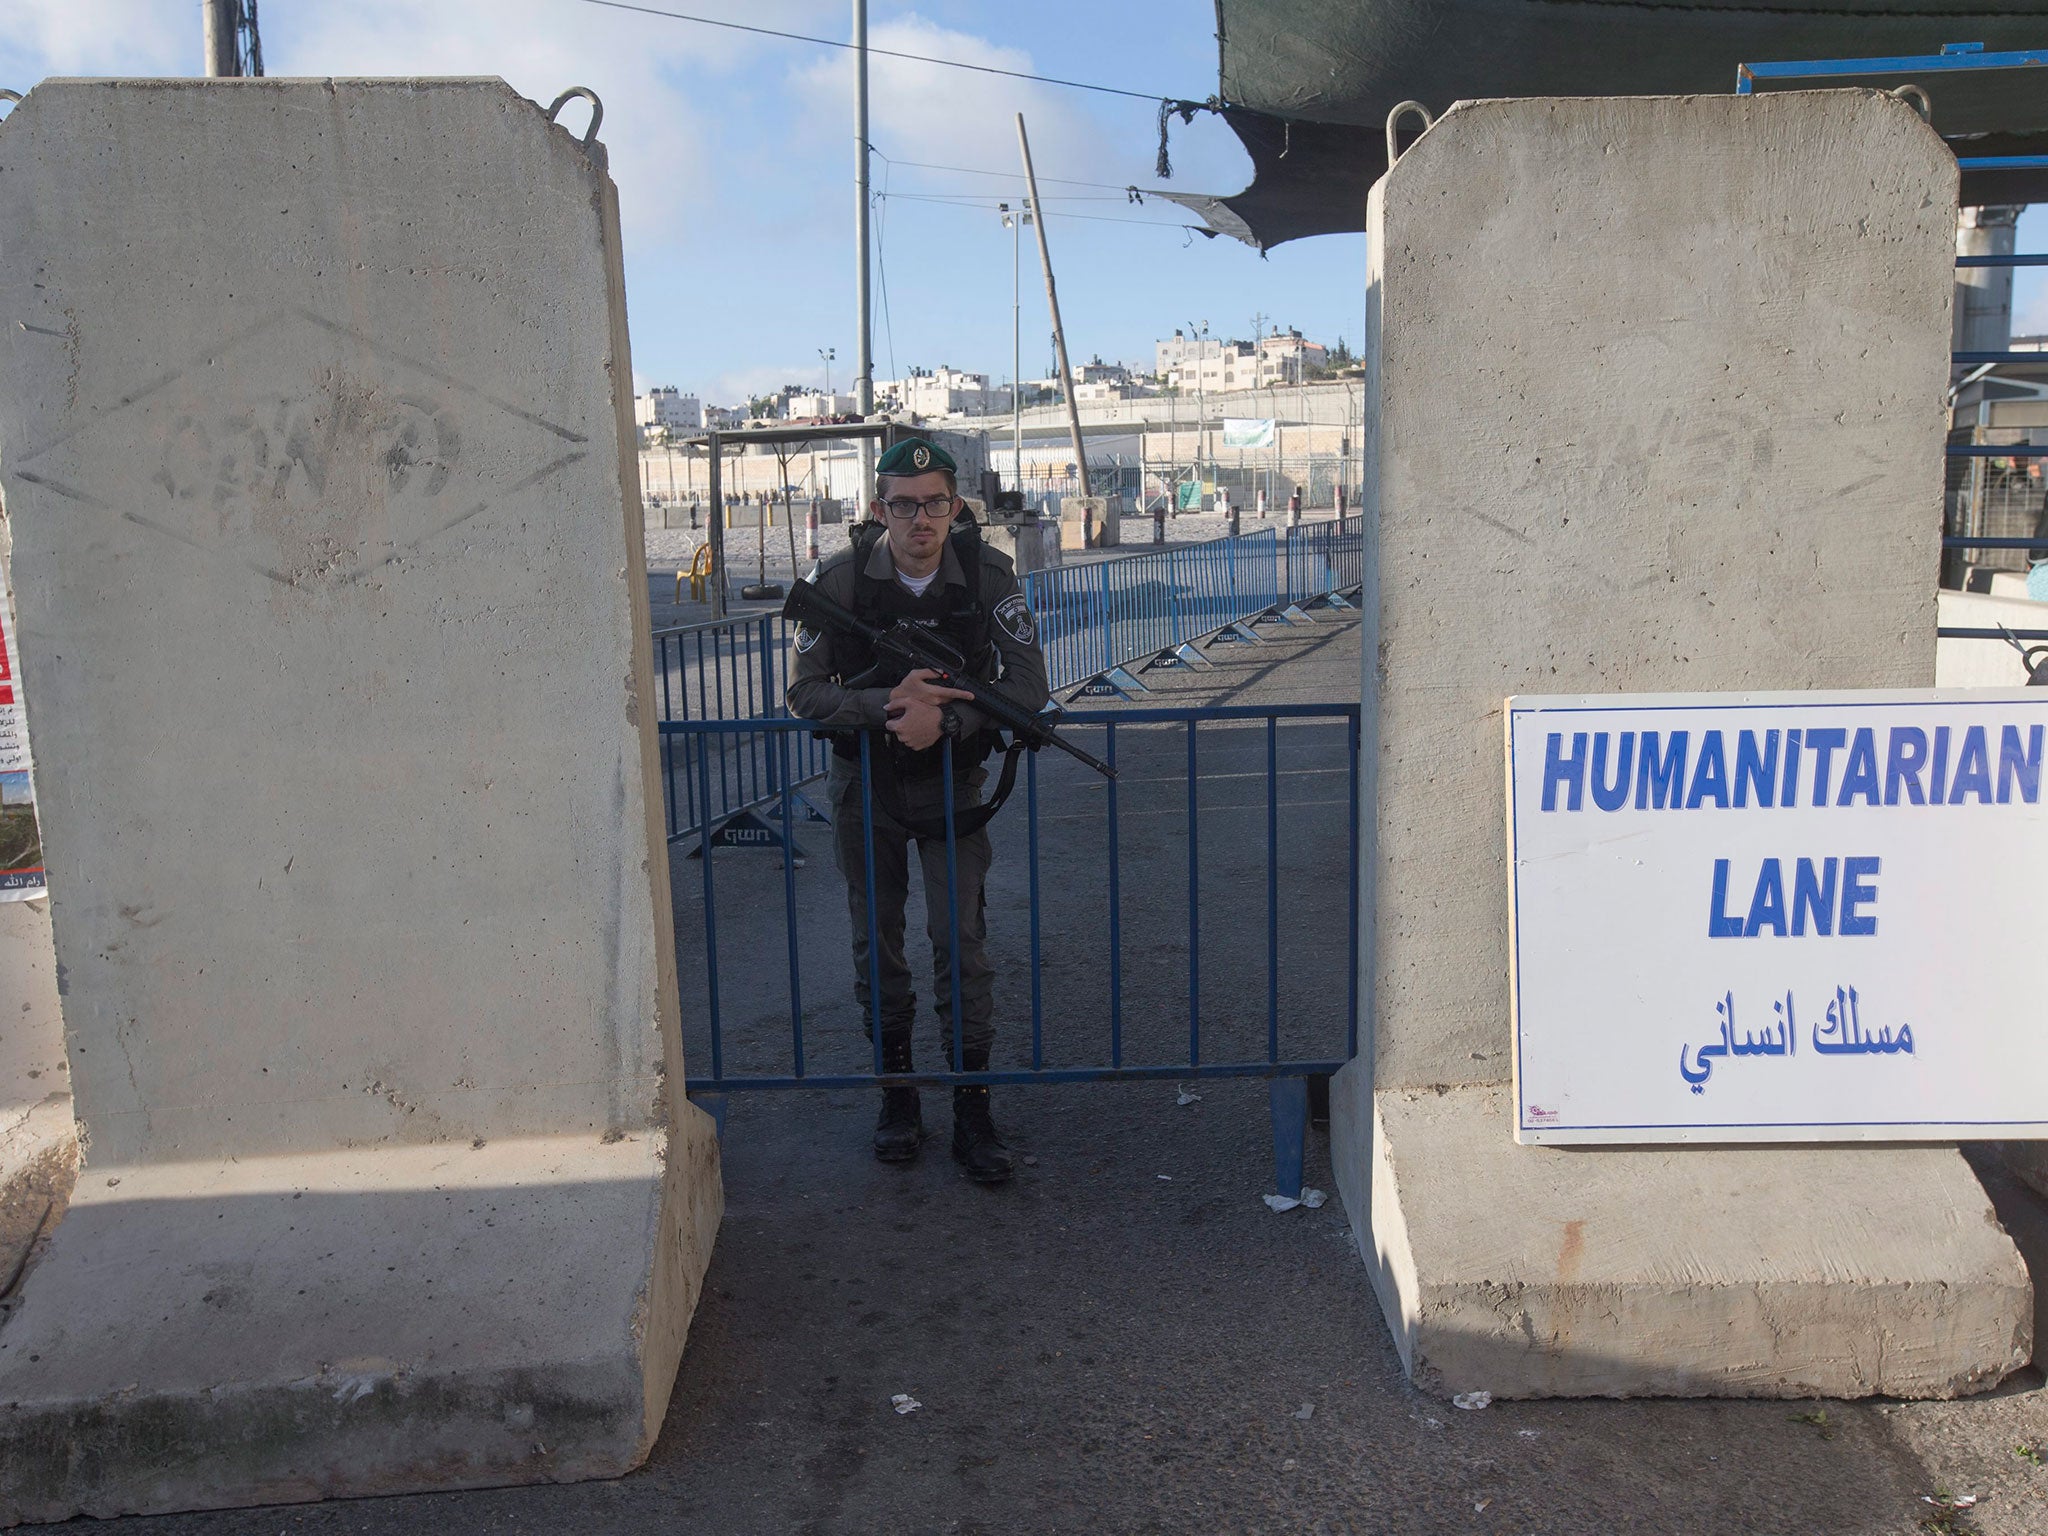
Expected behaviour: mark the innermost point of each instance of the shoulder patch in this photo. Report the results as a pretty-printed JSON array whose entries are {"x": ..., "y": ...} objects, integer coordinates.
[
  {"x": 806, "y": 638},
  {"x": 1014, "y": 614}
]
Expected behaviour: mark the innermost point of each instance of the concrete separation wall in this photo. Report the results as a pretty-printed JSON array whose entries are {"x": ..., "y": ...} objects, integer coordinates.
[
  {"x": 1654, "y": 405},
  {"x": 314, "y": 429}
]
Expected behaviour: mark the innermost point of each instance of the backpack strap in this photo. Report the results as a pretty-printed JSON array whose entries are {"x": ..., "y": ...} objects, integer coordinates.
[{"x": 967, "y": 548}]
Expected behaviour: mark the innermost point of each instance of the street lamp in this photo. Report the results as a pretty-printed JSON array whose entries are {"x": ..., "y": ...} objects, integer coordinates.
[
  {"x": 828, "y": 353},
  {"x": 1201, "y": 335}
]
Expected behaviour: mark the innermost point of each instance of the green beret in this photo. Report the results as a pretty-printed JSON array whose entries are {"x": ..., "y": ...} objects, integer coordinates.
[{"x": 915, "y": 456}]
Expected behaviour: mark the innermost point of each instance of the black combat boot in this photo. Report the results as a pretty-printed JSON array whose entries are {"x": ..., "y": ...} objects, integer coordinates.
[
  {"x": 900, "y": 1130},
  {"x": 977, "y": 1148}
]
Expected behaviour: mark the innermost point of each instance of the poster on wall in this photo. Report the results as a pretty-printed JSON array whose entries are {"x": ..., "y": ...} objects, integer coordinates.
[
  {"x": 21, "y": 843},
  {"x": 1778, "y": 917}
]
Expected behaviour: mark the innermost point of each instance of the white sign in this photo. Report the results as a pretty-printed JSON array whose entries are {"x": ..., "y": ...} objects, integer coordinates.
[
  {"x": 1779, "y": 917},
  {"x": 1247, "y": 432}
]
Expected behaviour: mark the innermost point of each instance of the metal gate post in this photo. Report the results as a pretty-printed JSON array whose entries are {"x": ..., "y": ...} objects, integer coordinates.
[
  {"x": 1108, "y": 658},
  {"x": 1289, "y": 1096}
]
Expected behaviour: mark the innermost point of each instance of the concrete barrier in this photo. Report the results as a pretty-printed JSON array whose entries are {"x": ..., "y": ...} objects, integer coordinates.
[
  {"x": 328, "y": 555},
  {"x": 1089, "y": 522},
  {"x": 1662, "y": 378}
]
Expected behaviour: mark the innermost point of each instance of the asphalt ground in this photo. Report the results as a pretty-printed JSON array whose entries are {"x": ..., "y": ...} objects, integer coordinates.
[{"x": 1125, "y": 1339}]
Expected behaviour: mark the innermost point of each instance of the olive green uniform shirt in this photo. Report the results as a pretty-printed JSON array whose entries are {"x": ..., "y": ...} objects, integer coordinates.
[{"x": 816, "y": 693}]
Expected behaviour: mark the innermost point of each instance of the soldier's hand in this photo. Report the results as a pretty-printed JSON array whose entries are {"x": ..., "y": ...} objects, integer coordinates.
[
  {"x": 916, "y": 725},
  {"x": 918, "y": 687}
]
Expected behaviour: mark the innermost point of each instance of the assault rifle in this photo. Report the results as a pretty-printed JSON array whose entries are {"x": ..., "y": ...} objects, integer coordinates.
[{"x": 912, "y": 646}]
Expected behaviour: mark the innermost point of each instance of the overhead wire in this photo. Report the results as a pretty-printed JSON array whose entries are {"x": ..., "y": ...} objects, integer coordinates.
[
  {"x": 887, "y": 53},
  {"x": 882, "y": 267},
  {"x": 962, "y": 201},
  {"x": 969, "y": 170}
]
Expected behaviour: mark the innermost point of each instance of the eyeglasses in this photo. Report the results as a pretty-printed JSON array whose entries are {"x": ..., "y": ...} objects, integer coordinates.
[{"x": 937, "y": 508}]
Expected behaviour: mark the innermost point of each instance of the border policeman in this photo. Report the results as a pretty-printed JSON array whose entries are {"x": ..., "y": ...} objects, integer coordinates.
[{"x": 913, "y": 561}]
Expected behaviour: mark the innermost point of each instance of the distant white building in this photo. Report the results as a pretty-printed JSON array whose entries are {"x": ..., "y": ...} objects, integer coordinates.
[
  {"x": 1287, "y": 358},
  {"x": 801, "y": 407},
  {"x": 942, "y": 391},
  {"x": 668, "y": 407},
  {"x": 1189, "y": 363}
]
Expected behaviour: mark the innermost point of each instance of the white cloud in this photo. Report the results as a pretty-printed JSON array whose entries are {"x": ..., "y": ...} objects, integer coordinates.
[
  {"x": 742, "y": 384},
  {"x": 100, "y": 37},
  {"x": 927, "y": 112},
  {"x": 649, "y": 73}
]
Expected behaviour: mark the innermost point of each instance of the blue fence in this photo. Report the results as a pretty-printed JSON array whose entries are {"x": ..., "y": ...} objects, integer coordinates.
[
  {"x": 1953, "y": 58},
  {"x": 729, "y": 670},
  {"x": 1091, "y": 619},
  {"x": 1142, "y": 1027},
  {"x": 1323, "y": 558},
  {"x": 1095, "y": 618}
]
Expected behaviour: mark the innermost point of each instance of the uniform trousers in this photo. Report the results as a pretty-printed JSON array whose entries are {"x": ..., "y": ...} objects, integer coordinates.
[{"x": 921, "y": 799}]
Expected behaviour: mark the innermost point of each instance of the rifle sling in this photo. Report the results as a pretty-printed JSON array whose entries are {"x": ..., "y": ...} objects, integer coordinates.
[{"x": 889, "y": 794}]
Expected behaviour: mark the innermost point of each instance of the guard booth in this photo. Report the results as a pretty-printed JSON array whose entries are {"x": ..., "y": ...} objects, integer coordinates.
[{"x": 785, "y": 442}]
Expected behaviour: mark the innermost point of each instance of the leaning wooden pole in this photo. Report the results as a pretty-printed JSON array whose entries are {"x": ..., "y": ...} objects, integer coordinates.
[{"x": 1052, "y": 298}]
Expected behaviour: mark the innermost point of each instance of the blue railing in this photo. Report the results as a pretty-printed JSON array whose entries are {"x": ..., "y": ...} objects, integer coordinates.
[
  {"x": 1323, "y": 558},
  {"x": 727, "y": 670},
  {"x": 1133, "y": 1027},
  {"x": 1091, "y": 619},
  {"x": 1952, "y": 58},
  {"x": 1095, "y": 618}
]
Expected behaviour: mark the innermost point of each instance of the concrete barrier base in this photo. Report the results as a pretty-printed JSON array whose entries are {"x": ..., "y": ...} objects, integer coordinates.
[
  {"x": 1672, "y": 1271},
  {"x": 355, "y": 1323}
]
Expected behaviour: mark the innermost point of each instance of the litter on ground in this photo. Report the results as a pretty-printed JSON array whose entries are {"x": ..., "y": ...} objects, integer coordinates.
[{"x": 1312, "y": 1199}]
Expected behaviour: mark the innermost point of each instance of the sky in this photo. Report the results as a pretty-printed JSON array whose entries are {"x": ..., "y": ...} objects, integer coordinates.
[{"x": 734, "y": 157}]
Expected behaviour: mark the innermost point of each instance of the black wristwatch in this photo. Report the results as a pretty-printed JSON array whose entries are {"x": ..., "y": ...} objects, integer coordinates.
[{"x": 949, "y": 722}]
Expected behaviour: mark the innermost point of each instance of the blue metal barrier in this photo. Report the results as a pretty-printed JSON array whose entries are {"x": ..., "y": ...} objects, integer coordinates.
[
  {"x": 730, "y": 670},
  {"x": 1096, "y": 618},
  {"x": 1952, "y": 58},
  {"x": 1254, "y": 1046},
  {"x": 1323, "y": 560},
  {"x": 1092, "y": 619},
  {"x": 1099, "y": 620}
]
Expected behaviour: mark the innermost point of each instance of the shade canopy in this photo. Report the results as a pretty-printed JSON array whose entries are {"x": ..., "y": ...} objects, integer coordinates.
[{"x": 1307, "y": 84}]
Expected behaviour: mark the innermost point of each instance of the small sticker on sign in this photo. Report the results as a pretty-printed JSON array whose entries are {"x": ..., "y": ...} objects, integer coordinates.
[{"x": 1014, "y": 614}]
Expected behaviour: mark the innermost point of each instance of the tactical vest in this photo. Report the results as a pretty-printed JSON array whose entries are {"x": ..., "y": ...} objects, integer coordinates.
[{"x": 960, "y": 617}]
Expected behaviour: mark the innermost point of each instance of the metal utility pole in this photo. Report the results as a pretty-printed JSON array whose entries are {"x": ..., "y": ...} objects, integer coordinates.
[
  {"x": 1016, "y": 222},
  {"x": 864, "y": 385},
  {"x": 1052, "y": 298},
  {"x": 217, "y": 20}
]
